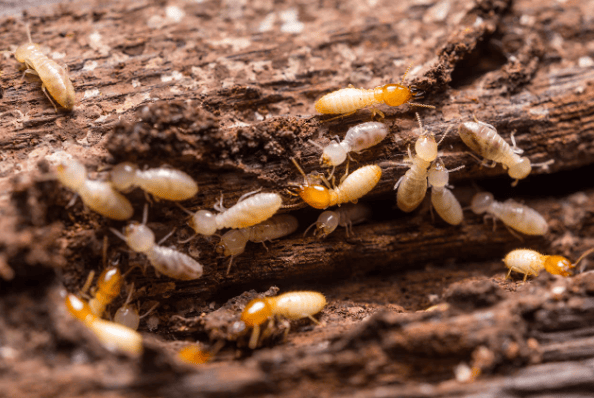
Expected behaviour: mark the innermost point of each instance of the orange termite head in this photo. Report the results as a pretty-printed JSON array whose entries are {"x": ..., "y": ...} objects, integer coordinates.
[
  {"x": 256, "y": 312},
  {"x": 79, "y": 308},
  {"x": 194, "y": 355},
  {"x": 559, "y": 265},
  {"x": 396, "y": 94},
  {"x": 317, "y": 196},
  {"x": 110, "y": 283}
]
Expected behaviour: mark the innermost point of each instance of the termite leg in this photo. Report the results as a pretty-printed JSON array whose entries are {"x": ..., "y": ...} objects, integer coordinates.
[
  {"x": 219, "y": 206},
  {"x": 88, "y": 282},
  {"x": 346, "y": 173},
  {"x": 254, "y": 338},
  {"x": 314, "y": 320},
  {"x": 72, "y": 201},
  {"x": 375, "y": 111},
  {"x": 508, "y": 274},
  {"x": 49, "y": 97},
  {"x": 398, "y": 182},
  {"x": 229, "y": 269},
  {"x": 514, "y": 146},
  {"x": 339, "y": 116},
  {"x": 514, "y": 233}
]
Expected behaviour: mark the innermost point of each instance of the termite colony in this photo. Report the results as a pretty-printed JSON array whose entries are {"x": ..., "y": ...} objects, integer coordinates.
[{"x": 254, "y": 217}]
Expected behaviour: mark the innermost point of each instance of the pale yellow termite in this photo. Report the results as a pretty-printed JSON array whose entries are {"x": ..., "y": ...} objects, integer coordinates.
[
  {"x": 443, "y": 200},
  {"x": 412, "y": 186},
  {"x": 531, "y": 262},
  {"x": 345, "y": 216},
  {"x": 353, "y": 187},
  {"x": 55, "y": 82},
  {"x": 513, "y": 214},
  {"x": 245, "y": 213},
  {"x": 233, "y": 242},
  {"x": 113, "y": 336},
  {"x": 166, "y": 260},
  {"x": 357, "y": 139},
  {"x": 161, "y": 182},
  {"x": 291, "y": 306},
  {"x": 347, "y": 101},
  {"x": 99, "y": 196},
  {"x": 483, "y": 139}
]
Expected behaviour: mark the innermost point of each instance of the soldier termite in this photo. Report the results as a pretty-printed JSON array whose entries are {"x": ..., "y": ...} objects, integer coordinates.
[
  {"x": 161, "y": 182},
  {"x": 245, "y": 213},
  {"x": 233, "y": 242},
  {"x": 194, "y": 355},
  {"x": 357, "y": 138},
  {"x": 412, "y": 186},
  {"x": 483, "y": 139},
  {"x": 347, "y": 101},
  {"x": 291, "y": 306},
  {"x": 345, "y": 216},
  {"x": 511, "y": 213},
  {"x": 166, "y": 260},
  {"x": 531, "y": 262},
  {"x": 353, "y": 187},
  {"x": 99, "y": 196},
  {"x": 55, "y": 82},
  {"x": 442, "y": 199},
  {"x": 113, "y": 336}
]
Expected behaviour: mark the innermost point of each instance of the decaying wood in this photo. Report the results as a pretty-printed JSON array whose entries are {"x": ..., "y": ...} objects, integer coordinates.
[{"x": 214, "y": 90}]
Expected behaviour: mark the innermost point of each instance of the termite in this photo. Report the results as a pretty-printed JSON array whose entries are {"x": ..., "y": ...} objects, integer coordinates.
[
  {"x": 166, "y": 260},
  {"x": 357, "y": 139},
  {"x": 483, "y": 139},
  {"x": 233, "y": 242},
  {"x": 347, "y": 101},
  {"x": 353, "y": 187},
  {"x": 245, "y": 213},
  {"x": 345, "y": 216},
  {"x": 442, "y": 199},
  {"x": 127, "y": 314},
  {"x": 513, "y": 214},
  {"x": 194, "y": 355},
  {"x": 55, "y": 82},
  {"x": 291, "y": 306},
  {"x": 99, "y": 196},
  {"x": 161, "y": 182},
  {"x": 108, "y": 288},
  {"x": 113, "y": 336},
  {"x": 412, "y": 186},
  {"x": 531, "y": 262}
]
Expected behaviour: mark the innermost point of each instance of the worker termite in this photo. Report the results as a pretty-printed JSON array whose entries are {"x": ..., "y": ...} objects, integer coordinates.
[
  {"x": 357, "y": 138},
  {"x": 245, "y": 213},
  {"x": 99, "y": 196},
  {"x": 412, "y": 186},
  {"x": 113, "y": 336},
  {"x": 166, "y": 260},
  {"x": 531, "y": 262},
  {"x": 511, "y": 213},
  {"x": 291, "y": 306},
  {"x": 55, "y": 82},
  {"x": 233, "y": 242},
  {"x": 442, "y": 199},
  {"x": 345, "y": 216},
  {"x": 127, "y": 314},
  {"x": 353, "y": 186},
  {"x": 347, "y": 101},
  {"x": 483, "y": 139},
  {"x": 161, "y": 182}
]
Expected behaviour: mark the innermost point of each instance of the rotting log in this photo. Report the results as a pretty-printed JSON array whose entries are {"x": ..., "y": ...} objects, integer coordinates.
[{"x": 211, "y": 91}]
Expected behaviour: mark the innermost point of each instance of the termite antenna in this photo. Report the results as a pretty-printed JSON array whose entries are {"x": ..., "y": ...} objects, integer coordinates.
[
  {"x": 544, "y": 165},
  {"x": 300, "y": 170},
  {"x": 149, "y": 311},
  {"x": 421, "y": 105},
  {"x": 456, "y": 169},
  {"x": 583, "y": 256},
  {"x": 308, "y": 228},
  {"x": 28, "y": 32},
  {"x": 420, "y": 122},
  {"x": 118, "y": 234},
  {"x": 316, "y": 145},
  {"x": 184, "y": 209},
  {"x": 187, "y": 240},
  {"x": 444, "y": 135},
  {"x": 406, "y": 73}
]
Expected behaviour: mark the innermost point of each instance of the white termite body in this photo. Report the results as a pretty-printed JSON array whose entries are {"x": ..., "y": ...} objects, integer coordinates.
[
  {"x": 345, "y": 216},
  {"x": 233, "y": 242},
  {"x": 161, "y": 182},
  {"x": 297, "y": 305},
  {"x": 484, "y": 140},
  {"x": 442, "y": 199},
  {"x": 357, "y": 139},
  {"x": 412, "y": 187},
  {"x": 511, "y": 213},
  {"x": 524, "y": 261},
  {"x": 99, "y": 196},
  {"x": 166, "y": 260},
  {"x": 245, "y": 213}
]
